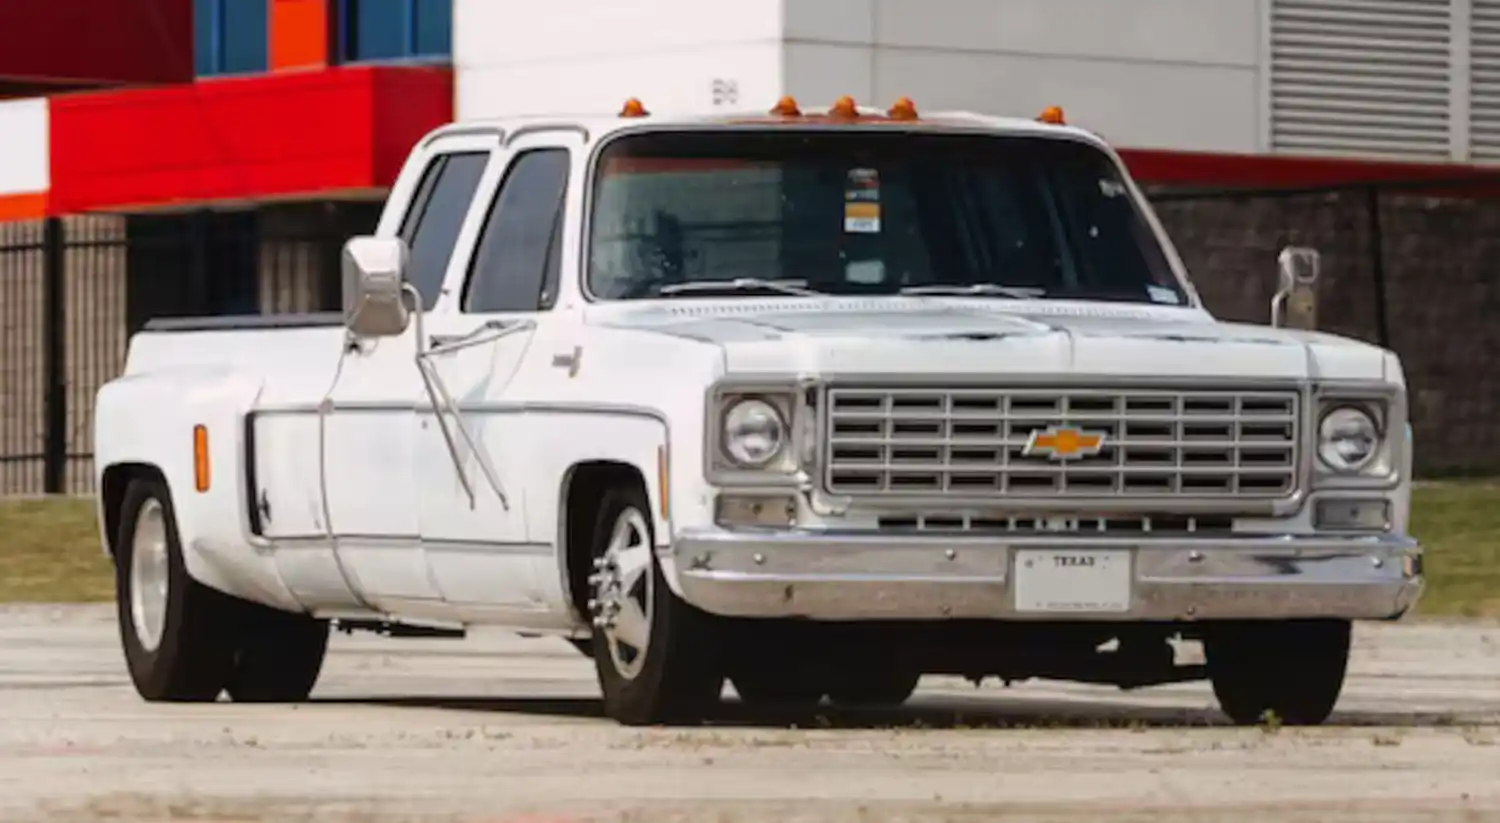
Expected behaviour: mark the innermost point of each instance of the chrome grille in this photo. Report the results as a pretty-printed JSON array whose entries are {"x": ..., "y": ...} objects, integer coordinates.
[{"x": 1214, "y": 444}]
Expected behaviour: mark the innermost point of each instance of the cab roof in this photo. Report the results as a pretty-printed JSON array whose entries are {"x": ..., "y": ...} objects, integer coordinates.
[{"x": 843, "y": 113}]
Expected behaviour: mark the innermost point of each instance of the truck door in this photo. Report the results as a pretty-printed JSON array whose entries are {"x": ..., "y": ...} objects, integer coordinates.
[
  {"x": 488, "y": 344},
  {"x": 369, "y": 450}
]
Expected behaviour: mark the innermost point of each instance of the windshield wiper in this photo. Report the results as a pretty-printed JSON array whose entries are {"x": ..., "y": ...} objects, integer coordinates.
[
  {"x": 739, "y": 284},
  {"x": 978, "y": 289}
]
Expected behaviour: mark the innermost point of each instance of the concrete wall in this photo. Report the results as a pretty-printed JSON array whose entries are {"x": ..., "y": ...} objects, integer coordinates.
[{"x": 1178, "y": 74}]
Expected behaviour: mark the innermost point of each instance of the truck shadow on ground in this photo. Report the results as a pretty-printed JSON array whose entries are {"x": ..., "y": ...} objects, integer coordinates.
[{"x": 930, "y": 712}]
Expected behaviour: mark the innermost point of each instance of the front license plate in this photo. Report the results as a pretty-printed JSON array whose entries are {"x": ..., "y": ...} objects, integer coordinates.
[{"x": 1073, "y": 580}]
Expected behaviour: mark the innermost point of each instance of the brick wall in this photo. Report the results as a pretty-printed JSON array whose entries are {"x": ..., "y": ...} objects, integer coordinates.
[{"x": 1441, "y": 261}]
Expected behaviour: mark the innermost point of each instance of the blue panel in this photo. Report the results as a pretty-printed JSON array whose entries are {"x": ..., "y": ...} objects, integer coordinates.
[
  {"x": 434, "y": 21},
  {"x": 377, "y": 29},
  {"x": 246, "y": 33},
  {"x": 205, "y": 40}
]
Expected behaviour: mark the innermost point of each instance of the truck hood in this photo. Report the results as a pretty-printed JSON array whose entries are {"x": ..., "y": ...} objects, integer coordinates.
[{"x": 958, "y": 336}]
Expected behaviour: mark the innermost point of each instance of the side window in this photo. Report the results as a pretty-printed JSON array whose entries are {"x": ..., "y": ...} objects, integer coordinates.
[
  {"x": 437, "y": 212},
  {"x": 515, "y": 267}
]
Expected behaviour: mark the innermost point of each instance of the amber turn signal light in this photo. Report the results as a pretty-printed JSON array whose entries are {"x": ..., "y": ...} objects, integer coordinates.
[{"x": 903, "y": 109}]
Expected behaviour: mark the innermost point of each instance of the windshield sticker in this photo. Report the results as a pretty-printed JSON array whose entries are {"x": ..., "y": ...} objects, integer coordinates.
[
  {"x": 1163, "y": 295},
  {"x": 862, "y": 202},
  {"x": 865, "y": 272},
  {"x": 1111, "y": 188}
]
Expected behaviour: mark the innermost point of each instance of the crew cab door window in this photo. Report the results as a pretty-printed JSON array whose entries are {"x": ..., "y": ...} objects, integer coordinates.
[
  {"x": 437, "y": 212},
  {"x": 519, "y": 254}
]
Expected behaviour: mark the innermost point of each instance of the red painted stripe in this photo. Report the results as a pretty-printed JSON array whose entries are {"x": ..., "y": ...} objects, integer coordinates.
[
  {"x": 1280, "y": 171},
  {"x": 242, "y": 138},
  {"x": 28, "y": 206}
]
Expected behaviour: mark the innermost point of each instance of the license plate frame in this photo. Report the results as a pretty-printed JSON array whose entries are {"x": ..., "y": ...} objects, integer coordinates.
[{"x": 1074, "y": 580}]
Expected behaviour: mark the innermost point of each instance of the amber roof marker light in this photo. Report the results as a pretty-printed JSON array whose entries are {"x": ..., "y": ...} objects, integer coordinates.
[
  {"x": 902, "y": 109},
  {"x": 844, "y": 107},
  {"x": 786, "y": 107},
  {"x": 633, "y": 108},
  {"x": 1052, "y": 115}
]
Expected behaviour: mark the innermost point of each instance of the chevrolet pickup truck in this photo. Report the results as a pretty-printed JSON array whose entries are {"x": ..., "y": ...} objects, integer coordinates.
[{"x": 812, "y": 403}]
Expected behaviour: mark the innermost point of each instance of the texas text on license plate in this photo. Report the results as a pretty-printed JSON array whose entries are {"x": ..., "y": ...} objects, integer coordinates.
[{"x": 1072, "y": 580}]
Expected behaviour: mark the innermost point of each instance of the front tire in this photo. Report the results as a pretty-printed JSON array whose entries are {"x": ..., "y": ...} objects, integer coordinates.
[
  {"x": 279, "y": 658},
  {"x": 656, "y": 656},
  {"x": 176, "y": 633},
  {"x": 1293, "y": 670}
]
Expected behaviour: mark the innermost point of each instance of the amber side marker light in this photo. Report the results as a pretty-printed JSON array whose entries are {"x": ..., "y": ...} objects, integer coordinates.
[
  {"x": 633, "y": 108},
  {"x": 1052, "y": 115},
  {"x": 200, "y": 458},
  {"x": 902, "y": 109},
  {"x": 786, "y": 107},
  {"x": 844, "y": 107}
]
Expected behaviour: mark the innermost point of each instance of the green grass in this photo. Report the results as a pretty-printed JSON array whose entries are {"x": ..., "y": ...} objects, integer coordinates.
[
  {"x": 1458, "y": 523},
  {"x": 49, "y": 549},
  {"x": 49, "y": 552}
]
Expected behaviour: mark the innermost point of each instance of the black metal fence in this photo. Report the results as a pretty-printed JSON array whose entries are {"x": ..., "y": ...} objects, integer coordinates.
[
  {"x": 73, "y": 290},
  {"x": 1412, "y": 266}
]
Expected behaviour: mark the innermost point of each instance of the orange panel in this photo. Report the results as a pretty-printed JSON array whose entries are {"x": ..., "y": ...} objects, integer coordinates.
[
  {"x": 299, "y": 34},
  {"x": 29, "y": 206}
]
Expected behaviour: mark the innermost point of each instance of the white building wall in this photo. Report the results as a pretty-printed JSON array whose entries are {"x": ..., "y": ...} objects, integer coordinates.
[
  {"x": 589, "y": 56},
  {"x": 1330, "y": 77},
  {"x": 25, "y": 158}
]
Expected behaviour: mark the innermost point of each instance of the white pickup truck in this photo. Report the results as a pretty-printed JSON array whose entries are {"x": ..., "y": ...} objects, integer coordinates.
[{"x": 814, "y": 402}]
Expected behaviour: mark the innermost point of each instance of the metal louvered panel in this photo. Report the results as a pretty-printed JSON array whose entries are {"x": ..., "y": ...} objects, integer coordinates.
[
  {"x": 1484, "y": 81},
  {"x": 1361, "y": 77}
]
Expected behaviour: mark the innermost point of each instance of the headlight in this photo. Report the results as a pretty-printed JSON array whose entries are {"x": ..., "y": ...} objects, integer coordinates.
[
  {"x": 1348, "y": 439},
  {"x": 754, "y": 433}
]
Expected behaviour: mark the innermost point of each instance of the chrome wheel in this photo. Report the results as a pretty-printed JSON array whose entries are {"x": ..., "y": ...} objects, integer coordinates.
[
  {"x": 623, "y": 583},
  {"x": 148, "y": 575}
]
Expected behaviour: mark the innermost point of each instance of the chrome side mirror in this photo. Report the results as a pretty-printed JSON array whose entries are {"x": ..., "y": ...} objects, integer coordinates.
[
  {"x": 374, "y": 272},
  {"x": 1295, "y": 303}
]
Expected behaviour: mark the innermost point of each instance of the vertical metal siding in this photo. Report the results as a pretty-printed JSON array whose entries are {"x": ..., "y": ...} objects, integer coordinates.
[
  {"x": 1484, "y": 81},
  {"x": 1361, "y": 77}
]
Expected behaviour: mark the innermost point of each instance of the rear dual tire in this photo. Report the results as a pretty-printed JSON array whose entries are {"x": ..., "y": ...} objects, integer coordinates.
[{"x": 184, "y": 641}]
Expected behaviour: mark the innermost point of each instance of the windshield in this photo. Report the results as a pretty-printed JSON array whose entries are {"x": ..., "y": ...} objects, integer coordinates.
[{"x": 868, "y": 213}]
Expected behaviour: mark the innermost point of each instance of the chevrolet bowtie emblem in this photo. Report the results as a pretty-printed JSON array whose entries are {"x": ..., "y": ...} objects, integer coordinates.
[{"x": 1064, "y": 443}]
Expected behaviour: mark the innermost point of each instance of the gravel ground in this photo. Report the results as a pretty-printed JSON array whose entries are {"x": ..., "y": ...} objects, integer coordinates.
[{"x": 499, "y": 728}]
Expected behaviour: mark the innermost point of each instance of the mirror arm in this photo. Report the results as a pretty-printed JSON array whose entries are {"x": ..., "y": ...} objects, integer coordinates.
[
  {"x": 1278, "y": 307},
  {"x": 443, "y": 404}
]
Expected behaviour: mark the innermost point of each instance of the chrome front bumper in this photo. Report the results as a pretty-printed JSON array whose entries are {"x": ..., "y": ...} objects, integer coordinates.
[{"x": 828, "y": 575}]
